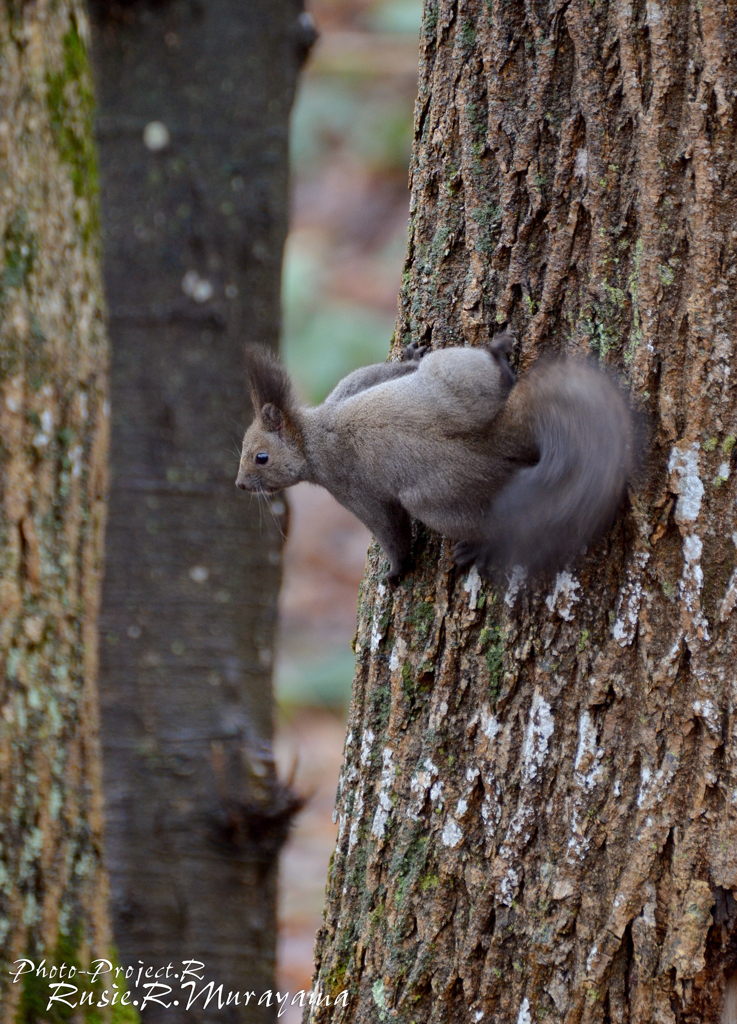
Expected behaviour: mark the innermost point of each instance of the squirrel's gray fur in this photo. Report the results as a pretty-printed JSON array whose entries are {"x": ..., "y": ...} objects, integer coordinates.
[{"x": 516, "y": 473}]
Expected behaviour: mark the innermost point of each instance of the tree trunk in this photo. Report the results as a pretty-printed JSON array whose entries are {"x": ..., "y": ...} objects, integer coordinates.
[
  {"x": 194, "y": 105},
  {"x": 537, "y": 810},
  {"x": 53, "y": 446}
]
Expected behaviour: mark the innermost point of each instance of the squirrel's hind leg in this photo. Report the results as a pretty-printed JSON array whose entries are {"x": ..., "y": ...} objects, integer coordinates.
[{"x": 391, "y": 526}]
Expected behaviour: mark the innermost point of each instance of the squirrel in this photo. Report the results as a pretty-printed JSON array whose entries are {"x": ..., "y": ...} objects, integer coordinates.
[{"x": 516, "y": 473}]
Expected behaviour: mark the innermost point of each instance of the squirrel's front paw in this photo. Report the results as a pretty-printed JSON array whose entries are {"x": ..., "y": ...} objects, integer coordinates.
[
  {"x": 414, "y": 352},
  {"x": 397, "y": 570},
  {"x": 393, "y": 579},
  {"x": 465, "y": 552}
]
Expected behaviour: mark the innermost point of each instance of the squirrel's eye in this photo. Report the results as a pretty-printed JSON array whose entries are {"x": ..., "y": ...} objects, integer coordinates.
[{"x": 262, "y": 458}]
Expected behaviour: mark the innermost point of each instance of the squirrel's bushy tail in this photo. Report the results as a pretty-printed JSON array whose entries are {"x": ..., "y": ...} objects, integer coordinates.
[{"x": 585, "y": 433}]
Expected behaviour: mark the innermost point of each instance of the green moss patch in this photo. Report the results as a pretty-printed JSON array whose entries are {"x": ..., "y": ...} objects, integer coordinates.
[{"x": 71, "y": 108}]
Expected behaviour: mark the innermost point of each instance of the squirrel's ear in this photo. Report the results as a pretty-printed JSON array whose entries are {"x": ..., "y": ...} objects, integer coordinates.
[{"x": 272, "y": 418}]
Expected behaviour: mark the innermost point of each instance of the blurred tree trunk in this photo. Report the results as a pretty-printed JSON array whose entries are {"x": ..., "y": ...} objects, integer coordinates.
[
  {"x": 53, "y": 446},
  {"x": 537, "y": 810},
  {"x": 194, "y": 105}
]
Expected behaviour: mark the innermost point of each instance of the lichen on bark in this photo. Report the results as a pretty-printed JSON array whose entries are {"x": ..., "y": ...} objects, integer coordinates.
[
  {"x": 53, "y": 442},
  {"x": 537, "y": 814}
]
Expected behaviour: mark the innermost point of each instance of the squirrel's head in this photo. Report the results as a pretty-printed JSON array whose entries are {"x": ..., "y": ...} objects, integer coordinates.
[{"x": 272, "y": 456}]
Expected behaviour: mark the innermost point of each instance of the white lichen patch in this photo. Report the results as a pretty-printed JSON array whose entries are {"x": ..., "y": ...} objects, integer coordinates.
[
  {"x": 472, "y": 586},
  {"x": 379, "y": 994},
  {"x": 648, "y": 913},
  {"x": 517, "y": 578},
  {"x": 692, "y": 582},
  {"x": 586, "y": 742},
  {"x": 588, "y": 754},
  {"x": 564, "y": 595},
  {"x": 683, "y": 465},
  {"x": 578, "y": 844},
  {"x": 367, "y": 742},
  {"x": 398, "y": 655},
  {"x": 630, "y": 598},
  {"x": 491, "y": 811},
  {"x": 595, "y": 772},
  {"x": 379, "y": 622},
  {"x": 539, "y": 730},
  {"x": 581, "y": 164},
  {"x": 384, "y": 804},
  {"x": 692, "y": 548},
  {"x": 508, "y": 890},
  {"x": 75, "y": 458},
  {"x": 489, "y": 724},
  {"x": 654, "y": 13},
  {"x": 645, "y": 776},
  {"x": 357, "y": 815},
  {"x": 523, "y": 1017},
  {"x": 452, "y": 834},
  {"x": 709, "y": 713},
  {"x": 43, "y": 437},
  {"x": 340, "y": 819},
  {"x": 33, "y": 627},
  {"x": 436, "y": 792},
  {"x": 520, "y": 826},
  {"x": 418, "y": 787},
  {"x": 519, "y": 831},
  {"x": 730, "y": 598},
  {"x": 350, "y": 774}
]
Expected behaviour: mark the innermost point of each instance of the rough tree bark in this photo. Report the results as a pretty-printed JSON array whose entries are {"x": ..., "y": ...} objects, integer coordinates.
[
  {"x": 537, "y": 811},
  {"x": 194, "y": 100},
  {"x": 53, "y": 446}
]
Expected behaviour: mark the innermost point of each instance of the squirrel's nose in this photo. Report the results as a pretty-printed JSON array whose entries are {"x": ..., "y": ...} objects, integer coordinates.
[{"x": 240, "y": 485}]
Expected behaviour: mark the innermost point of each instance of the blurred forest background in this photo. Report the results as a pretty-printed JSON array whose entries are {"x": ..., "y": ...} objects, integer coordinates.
[{"x": 350, "y": 143}]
